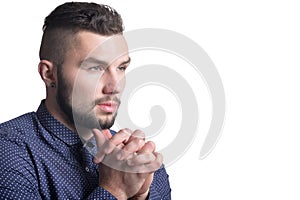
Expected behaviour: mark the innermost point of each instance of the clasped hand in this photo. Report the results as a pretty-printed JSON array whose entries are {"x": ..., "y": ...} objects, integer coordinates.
[{"x": 126, "y": 163}]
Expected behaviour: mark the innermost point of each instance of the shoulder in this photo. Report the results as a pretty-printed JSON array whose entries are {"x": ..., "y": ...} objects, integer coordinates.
[
  {"x": 17, "y": 129},
  {"x": 15, "y": 135},
  {"x": 17, "y": 170}
]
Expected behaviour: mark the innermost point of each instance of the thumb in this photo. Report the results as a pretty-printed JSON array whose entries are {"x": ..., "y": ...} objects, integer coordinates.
[
  {"x": 101, "y": 137},
  {"x": 107, "y": 133}
]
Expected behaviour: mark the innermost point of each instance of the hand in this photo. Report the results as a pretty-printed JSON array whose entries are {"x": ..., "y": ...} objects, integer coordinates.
[
  {"x": 127, "y": 161},
  {"x": 144, "y": 190}
]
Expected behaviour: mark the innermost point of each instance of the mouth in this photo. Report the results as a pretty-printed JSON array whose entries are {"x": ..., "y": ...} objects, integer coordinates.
[{"x": 108, "y": 106}]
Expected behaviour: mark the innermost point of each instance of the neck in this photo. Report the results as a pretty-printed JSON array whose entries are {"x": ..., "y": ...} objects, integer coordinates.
[
  {"x": 84, "y": 133},
  {"x": 55, "y": 110}
]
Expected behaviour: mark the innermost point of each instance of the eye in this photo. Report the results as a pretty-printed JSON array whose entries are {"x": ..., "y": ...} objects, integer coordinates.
[
  {"x": 97, "y": 68},
  {"x": 122, "y": 68}
]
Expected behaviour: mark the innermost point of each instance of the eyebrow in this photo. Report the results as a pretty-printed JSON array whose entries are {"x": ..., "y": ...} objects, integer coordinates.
[
  {"x": 95, "y": 60},
  {"x": 126, "y": 61}
]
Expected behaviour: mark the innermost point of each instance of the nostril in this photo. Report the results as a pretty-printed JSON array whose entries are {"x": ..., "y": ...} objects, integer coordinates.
[{"x": 110, "y": 89}]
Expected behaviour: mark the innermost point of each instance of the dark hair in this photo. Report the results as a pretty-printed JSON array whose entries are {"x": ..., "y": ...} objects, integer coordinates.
[{"x": 62, "y": 24}]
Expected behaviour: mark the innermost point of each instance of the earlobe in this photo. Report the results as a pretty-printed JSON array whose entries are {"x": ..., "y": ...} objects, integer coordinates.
[{"x": 47, "y": 71}]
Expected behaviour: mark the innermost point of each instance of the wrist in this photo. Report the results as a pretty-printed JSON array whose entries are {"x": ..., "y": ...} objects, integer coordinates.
[{"x": 117, "y": 193}]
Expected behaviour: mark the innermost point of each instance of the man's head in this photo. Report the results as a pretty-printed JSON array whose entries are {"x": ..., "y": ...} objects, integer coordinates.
[
  {"x": 83, "y": 57},
  {"x": 65, "y": 21}
]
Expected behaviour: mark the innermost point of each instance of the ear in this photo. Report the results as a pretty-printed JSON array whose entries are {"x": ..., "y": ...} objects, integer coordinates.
[{"x": 48, "y": 72}]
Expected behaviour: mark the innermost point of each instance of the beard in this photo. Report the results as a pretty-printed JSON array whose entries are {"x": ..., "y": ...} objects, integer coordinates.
[{"x": 82, "y": 114}]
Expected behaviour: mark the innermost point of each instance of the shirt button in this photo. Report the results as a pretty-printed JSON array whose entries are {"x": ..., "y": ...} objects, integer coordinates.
[{"x": 87, "y": 169}]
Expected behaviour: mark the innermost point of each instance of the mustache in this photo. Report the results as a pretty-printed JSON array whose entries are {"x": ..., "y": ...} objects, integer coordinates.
[{"x": 108, "y": 98}]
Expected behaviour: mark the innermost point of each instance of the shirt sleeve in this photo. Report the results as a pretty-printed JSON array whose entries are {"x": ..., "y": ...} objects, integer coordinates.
[
  {"x": 17, "y": 180},
  {"x": 160, "y": 188}
]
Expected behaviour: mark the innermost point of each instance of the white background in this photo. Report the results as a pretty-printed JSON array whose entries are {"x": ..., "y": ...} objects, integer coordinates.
[{"x": 255, "y": 46}]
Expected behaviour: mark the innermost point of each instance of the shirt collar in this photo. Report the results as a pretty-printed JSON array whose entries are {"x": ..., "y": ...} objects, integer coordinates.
[{"x": 55, "y": 127}]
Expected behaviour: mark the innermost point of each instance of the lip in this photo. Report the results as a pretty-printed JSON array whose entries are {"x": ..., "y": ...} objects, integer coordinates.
[{"x": 108, "y": 106}]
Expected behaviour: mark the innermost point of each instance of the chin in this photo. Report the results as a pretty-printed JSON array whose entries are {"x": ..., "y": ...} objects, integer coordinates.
[{"x": 107, "y": 121}]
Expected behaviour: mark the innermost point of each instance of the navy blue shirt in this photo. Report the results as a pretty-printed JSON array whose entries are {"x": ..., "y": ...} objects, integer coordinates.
[{"x": 40, "y": 158}]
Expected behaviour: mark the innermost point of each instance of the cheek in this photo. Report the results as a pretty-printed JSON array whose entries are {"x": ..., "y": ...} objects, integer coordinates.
[
  {"x": 84, "y": 88},
  {"x": 122, "y": 83}
]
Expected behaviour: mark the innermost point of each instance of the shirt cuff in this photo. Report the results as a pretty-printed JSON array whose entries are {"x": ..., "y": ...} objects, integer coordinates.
[
  {"x": 153, "y": 194},
  {"x": 101, "y": 193}
]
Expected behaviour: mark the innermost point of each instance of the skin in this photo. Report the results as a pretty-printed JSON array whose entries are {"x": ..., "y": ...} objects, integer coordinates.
[{"x": 90, "y": 84}]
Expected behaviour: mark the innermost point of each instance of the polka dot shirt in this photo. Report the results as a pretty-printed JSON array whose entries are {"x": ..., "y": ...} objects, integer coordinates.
[{"x": 42, "y": 159}]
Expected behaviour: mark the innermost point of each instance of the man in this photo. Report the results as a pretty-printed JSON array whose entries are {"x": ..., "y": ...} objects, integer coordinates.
[{"x": 83, "y": 58}]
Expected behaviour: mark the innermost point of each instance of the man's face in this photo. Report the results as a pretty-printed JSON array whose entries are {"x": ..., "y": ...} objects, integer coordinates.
[{"x": 92, "y": 78}]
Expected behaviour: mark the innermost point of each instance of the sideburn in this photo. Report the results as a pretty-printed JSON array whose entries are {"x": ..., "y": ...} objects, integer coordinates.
[{"x": 63, "y": 94}]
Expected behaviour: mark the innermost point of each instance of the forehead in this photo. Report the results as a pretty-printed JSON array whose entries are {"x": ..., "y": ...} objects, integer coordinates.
[{"x": 105, "y": 48}]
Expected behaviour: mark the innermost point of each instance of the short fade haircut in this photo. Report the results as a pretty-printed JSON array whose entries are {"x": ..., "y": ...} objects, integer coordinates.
[{"x": 65, "y": 21}]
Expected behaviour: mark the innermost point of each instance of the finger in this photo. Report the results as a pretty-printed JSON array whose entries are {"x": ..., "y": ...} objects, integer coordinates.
[
  {"x": 121, "y": 137},
  {"x": 148, "y": 147},
  {"x": 133, "y": 146},
  {"x": 110, "y": 144},
  {"x": 101, "y": 138},
  {"x": 148, "y": 167},
  {"x": 137, "y": 134},
  {"x": 107, "y": 133},
  {"x": 111, "y": 159},
  {"x": 158, "y": 162},
  {"x": 144, "y": 155},
  {"x": 134, "y": 143},
  {"x": 141, "y": 159}
]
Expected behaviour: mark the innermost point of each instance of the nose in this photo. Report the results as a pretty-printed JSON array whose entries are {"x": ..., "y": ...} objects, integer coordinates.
[{"x": 112, "y": 83}]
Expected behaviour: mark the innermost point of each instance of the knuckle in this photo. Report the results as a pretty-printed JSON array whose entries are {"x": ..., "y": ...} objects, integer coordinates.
[
  {"x": 139, "y": 134},
  {"x": 126, "y": 131}
]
